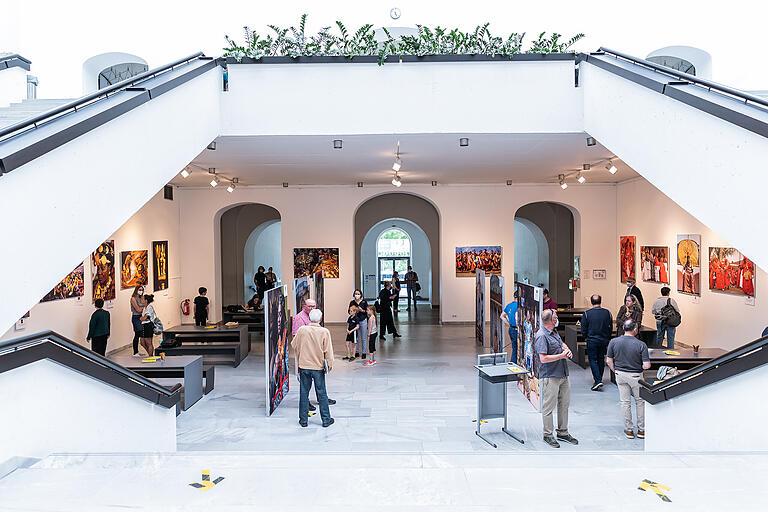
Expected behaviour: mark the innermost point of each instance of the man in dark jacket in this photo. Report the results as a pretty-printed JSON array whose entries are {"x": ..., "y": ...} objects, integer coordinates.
[
  {"x": 634, "y": 290},
  {"x": 387, "y": 322},
  {"x": 98, "y": 329},
  {"x": 596, "y": 328}
]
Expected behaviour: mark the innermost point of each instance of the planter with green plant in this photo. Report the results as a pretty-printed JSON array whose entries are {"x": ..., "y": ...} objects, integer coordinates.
[{"x": 293, "y": 44}]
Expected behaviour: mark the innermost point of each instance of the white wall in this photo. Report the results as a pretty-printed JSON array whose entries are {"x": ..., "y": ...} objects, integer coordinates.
[
  {"x": 156, "y": 220},
  {"x": 422, "y": 97},
  {"x": 49, "y": 408},
  {"x": 13, "y": 86},
  {"x": 68, "y": 201},
  {"x": 715, "y": 319},
  {"x": 262, "y": 249},
  {"x": 727, "y": 416},
  {"x": 421, "y": 255},
  {"x": 469, "y": 215},
  {"x": 531, "y": 254}
]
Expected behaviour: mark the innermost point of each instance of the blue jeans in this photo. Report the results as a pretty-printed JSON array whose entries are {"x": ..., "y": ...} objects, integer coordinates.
[
  {"x": 513, "y": 344},
  {"x": 306, "y": 377},
  {"x": 596, "y": 351},
  {"x": 670, "y": 331},
  {"x": 411, "y": 296}
]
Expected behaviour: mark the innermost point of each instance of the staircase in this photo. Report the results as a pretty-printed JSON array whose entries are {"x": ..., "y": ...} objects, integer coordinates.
[{"x": 28, "y": 108}]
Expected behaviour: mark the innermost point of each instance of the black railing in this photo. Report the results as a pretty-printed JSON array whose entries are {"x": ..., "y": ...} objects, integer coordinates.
[
  {"x": 710, "y": 85},
  {"x": 732, "y": 363},
  {"x": 51, "y": 345},
  {"x": 95, "y": 96}
]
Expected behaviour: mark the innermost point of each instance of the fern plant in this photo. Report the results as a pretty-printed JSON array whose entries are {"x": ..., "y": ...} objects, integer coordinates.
[{"x": 294, "y": 42}]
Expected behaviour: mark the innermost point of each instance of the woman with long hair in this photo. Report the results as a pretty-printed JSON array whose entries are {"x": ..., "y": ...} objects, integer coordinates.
[
  {"x": 137, "y": 307},
  {"x": 630, "y": 310},
  {"x": 361, "y": 335},
  {"x": 148, "y": 325}
]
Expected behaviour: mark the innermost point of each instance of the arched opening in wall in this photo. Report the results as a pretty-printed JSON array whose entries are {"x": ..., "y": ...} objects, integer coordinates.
[
  {"x": 106, "y": 69},
  {"x": 394, "y": 231},
  {"x": 545, "y": 239},
  {"x": 249, "y": 237}
]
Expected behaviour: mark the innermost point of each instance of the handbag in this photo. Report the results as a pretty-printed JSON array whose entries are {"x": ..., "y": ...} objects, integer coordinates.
[{"x": 158, "y": 326}]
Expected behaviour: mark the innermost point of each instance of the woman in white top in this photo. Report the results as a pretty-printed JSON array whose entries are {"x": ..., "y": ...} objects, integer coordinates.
[{"x": 148, "y": 325}]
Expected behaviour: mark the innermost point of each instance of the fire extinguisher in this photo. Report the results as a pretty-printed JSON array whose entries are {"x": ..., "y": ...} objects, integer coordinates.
[{"x": 185, "y": 307}]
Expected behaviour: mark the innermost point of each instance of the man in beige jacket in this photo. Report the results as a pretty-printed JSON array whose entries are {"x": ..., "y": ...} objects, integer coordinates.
[{"x": 314, "y": 354}]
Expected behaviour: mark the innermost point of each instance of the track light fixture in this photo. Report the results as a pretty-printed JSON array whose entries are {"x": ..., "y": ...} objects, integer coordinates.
[
  {"x": 434, "y": 183},
  {"x": 591, "y": 141},
  {"x": 285, "y": 184},
  {"x": 581, "y": 179},
  {"x": 185, "y": 172},
  {"x": 359, "y": 184},
  {"x": 563, "y": 184},
  {"x": 212, "y": 146},
  {"x": 215, "y": 181},
  {"x": 398, "y": 163},
  {"x": 611, "y": 168},
  {"x": 509, "y": 183},
  {"x": 337, "y": 143},
  {"x": 463, "y": 142},
  {"x": 231, "y": 188},
  {"x": 586, "y": 167},
  {"x": 396, "y": 181}
]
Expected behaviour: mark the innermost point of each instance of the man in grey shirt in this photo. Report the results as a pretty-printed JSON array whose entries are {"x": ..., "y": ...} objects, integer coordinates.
[
  {"x": 553, "y": 379},
  {"x": 628, "y": 357}
]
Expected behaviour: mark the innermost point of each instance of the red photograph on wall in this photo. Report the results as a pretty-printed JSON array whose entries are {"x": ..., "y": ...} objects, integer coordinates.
[
  {"x": 731, "y": 272},
  {"x": 627, "y": 257}
]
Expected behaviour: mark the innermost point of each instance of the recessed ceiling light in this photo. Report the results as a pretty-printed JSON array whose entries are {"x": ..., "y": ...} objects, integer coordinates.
[
  {"x": 337, "y": 143},
  {"x": 586, "y": 167},
  {"x": 591, "y": 141},
  {"x": 212, "y": 146},
  {"x": 509, "y": 182},
  {"x": 464, "y": 142},
  {"x": 360, "y": 184},
  {"x": 285, "y": 184},
  {"x": 434, "y": 183}
]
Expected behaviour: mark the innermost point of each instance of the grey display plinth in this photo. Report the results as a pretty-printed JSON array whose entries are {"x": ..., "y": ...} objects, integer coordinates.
[{"x": 492, "y": 378}]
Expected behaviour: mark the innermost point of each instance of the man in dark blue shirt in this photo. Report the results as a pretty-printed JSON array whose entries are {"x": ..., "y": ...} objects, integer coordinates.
[
  {"x": 387, "y": 322},
  {"x": 596, "y": 328}
]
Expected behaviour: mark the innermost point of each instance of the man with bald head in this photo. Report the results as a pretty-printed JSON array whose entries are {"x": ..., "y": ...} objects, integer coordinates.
[
  {"x": 596, "y": 328},
  {"x": 299, "y": 321}
]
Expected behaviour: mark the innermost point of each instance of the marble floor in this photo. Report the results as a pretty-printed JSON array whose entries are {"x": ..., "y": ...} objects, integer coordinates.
[{"x": 421, "y": 397}]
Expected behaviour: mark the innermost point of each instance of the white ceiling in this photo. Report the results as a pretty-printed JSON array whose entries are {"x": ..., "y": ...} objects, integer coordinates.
[{"x": 489, "y": 158}]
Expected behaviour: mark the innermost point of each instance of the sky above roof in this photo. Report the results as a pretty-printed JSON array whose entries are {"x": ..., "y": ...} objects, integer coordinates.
[{"x": 59, "y": 36}]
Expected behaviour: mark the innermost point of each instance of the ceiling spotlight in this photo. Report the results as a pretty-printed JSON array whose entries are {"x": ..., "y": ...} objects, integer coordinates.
[
  {"x": 509, "y": 182},
  {"x": 563, "y": 184},
  {"x": 611, "y": 168},
  {"x": 591, "y": 141},
  {"x": 396, "y": 166},
  {"x": 396, "y": 181},
  {"x": 184, "y": 173},
  {"x": 215, "y": 181},
  {"x": 581, "y": 179},
  {"x": 360, "y": 184},
  {"x": 586, "y": 167},
  {"x": 212, "y": 146},
  {"x": 285, "y": 184},
  {"x": 434, "y": 183},
  {"x": 463, "y": 142},
  {"x": 337, "y": 143},
  {"x": 231, "y": 188}
]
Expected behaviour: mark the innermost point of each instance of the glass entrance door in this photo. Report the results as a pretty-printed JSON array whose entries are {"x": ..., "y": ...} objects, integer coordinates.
[{"x": 386, "y": 268}]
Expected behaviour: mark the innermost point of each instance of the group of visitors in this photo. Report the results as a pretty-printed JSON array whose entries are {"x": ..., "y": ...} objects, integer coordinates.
[
  {"x": 143, "y": 321},
  {"x": 262, "y": 281},
  {"x": 615, "y": 344}
]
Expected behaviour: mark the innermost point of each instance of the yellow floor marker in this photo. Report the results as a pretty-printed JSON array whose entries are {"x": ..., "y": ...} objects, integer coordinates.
[
  {"x": 655, "y": 487},
  {"x": 206, "y": 483}
]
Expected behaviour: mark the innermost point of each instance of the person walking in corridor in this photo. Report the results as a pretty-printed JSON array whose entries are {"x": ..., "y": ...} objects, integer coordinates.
[
  {"x": 553, "y": 379},
  {"x": 314, "y": 356},
  {"x": 628, "y": 357},
  {"x": 596, "y": 328}
]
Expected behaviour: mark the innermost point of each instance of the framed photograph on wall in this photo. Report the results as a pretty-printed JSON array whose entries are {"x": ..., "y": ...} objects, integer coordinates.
[
  {"x": 626, "y": 257},
  {"x": 654, "y": 263},
  {"x": 485, "y": 257},
  {"x": 689, "y": 264},
  {"x": 731, "y": 272}
]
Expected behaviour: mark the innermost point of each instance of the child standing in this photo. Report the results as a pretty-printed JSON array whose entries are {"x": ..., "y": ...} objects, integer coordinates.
[
  {"x": 372, "y": 332},
  {"x": 352, "y": 326},
  {"x": 201, "y": 307}
]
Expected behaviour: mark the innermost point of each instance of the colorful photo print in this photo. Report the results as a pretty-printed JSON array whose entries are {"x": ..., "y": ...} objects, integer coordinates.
[
  {"x": 73, "y": 285},
  {"x": 486, "y": 258},
  {"x": 319, "y": 293},
  {"x": 627, "y": 257},
  {"x": 654, "y": 262},
  {"x": 301, "y": 293},
  {"x": 276, "y": 347},
  {"x": 529, "y": 308},
  {"x": 731, "y": 272},
  {"x": 160, "y": 265},
  {"x": 103, "y": 271},
  {"x": 496, "y": 308},
  {"x": 133, "y": 269},
  {"x": 689, "y": 264},
  {"x": 307, "y": 261},
  {"x": 480, "y": 307}
]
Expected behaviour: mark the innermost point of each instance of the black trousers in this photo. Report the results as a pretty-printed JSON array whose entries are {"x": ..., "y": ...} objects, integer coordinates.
[
  {"x": 99, "y": 344},
  {"x": 200, "y": 320},
  {"x": 387, "y": 322}
]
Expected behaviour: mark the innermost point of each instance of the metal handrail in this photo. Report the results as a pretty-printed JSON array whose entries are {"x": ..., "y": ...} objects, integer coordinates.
[
  {"x": 709, "y": 365},
  {"x": 52, "y": 336},
  {"x": 72, "y": 105},
  {"x": 689, "y": 78},
  {"x": 12, "y": 56}
]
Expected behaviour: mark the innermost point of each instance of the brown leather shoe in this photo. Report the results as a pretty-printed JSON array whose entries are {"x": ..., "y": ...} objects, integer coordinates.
[
  {"x": 630, "y": 434},
  {"x": 641, "y": 434}
]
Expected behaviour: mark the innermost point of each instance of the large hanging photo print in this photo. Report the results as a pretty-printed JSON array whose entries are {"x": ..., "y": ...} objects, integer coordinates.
[
  {"x": 308, "y": 261},
  {"x": 731, "y": 272},
  {"x": 689, "y": 264},
  {"x": 133, "y": 269},
  {"x": 654, "y": 262},
  {"x": 486, "y": 258}
]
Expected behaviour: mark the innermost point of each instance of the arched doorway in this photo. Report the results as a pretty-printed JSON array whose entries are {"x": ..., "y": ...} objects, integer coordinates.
[
  {"x": 250, "y": 236},
  {"x": 545, "y": 233},
  {"x": 404, "y": 217}
]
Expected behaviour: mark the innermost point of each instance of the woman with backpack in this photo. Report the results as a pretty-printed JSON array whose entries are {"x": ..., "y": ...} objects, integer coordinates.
[
  {"x": 667, "y": 318},
  {"x": 148, "y": 325}
]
